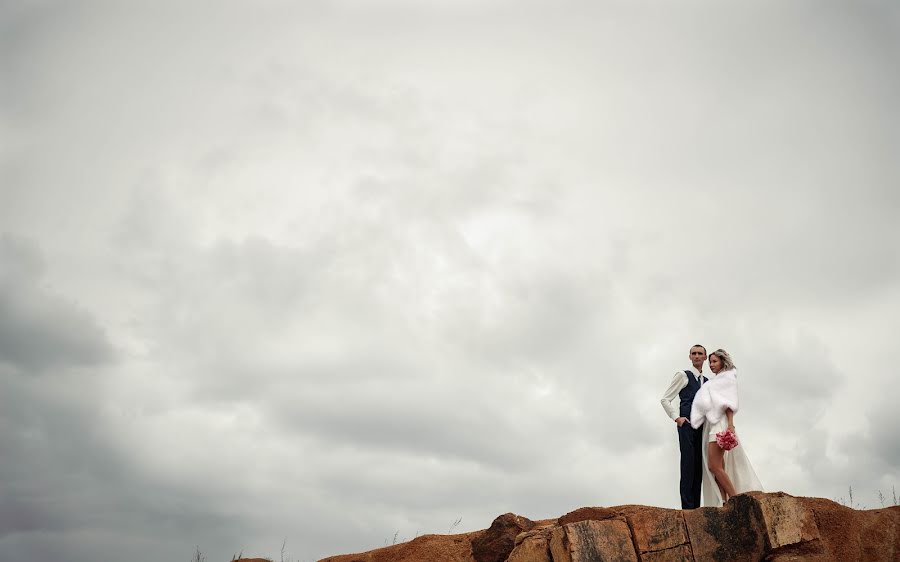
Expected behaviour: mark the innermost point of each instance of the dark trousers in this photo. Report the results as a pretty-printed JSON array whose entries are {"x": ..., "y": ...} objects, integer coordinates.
[{"x": 691, "y": 442}]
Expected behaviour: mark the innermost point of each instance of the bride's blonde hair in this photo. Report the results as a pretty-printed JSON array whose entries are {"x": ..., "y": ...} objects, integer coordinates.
[{"x": 727, "y": 363}]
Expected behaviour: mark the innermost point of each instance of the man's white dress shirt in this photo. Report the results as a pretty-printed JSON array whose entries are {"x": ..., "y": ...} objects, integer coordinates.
[{"x": 679, "y": 381}]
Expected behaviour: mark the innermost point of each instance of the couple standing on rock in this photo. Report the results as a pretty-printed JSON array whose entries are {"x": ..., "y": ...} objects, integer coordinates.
[{"x": 711, "y": 457}]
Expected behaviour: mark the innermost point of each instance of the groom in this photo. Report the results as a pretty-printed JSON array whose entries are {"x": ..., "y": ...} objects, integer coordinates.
[{"x": 685, "y": 385}]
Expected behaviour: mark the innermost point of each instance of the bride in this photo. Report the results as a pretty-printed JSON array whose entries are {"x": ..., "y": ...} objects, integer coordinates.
[{"x": 714, "y": 407}]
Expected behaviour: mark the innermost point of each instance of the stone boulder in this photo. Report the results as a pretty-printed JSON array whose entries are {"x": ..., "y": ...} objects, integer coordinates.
[
  {"x": 592, "y": 541},
  {"x": 495, "y": 544}
]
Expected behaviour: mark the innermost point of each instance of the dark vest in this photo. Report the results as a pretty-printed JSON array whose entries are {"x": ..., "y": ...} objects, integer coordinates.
[{"x": 687, "y": 395}]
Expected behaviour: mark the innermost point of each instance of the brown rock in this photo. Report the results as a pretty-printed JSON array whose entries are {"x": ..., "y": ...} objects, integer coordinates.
[
  {"x": 754, "y": 526},
  {"x": 678, "y": 554},
  {"x": 853, "y": 535},
  {"x": 656, "y": 529},
  {"x": 532, "y": 546},
  {"x": 586, "y": 514},
  {"x": 733, "y": 532},
  {"x": 495, "y": 544},
  {"x": 559, "y": 549},
  {"x": 880, "y": 534},
  {"x": 592, "y": 541},
  {"x": 430, "y": 548},
  {"x": 789, "y": 526}
]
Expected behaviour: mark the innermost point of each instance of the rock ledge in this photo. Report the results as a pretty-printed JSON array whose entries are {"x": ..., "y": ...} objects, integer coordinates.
[{"x": 750, "y": 527}]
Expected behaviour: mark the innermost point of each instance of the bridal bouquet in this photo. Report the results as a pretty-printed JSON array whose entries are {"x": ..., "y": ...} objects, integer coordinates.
[{"x": 727, "y": 439}]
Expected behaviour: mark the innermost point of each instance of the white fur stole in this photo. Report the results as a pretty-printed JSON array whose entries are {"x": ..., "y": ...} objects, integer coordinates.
[{"x": 714, "y": 397}]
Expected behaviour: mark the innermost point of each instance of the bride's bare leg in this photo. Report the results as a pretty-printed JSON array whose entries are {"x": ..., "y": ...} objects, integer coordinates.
[
  {"x": 717, "y": 468},
  {"x": 722, "y": 493},
  {"x": 725, "y": 495}
]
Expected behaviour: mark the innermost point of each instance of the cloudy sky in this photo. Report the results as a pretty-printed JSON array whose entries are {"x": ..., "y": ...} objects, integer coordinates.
[{"x": 325, "y": 272}]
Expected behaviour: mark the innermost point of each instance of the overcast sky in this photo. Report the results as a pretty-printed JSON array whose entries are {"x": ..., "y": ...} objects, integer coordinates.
[{"x": 327, "y": 271}]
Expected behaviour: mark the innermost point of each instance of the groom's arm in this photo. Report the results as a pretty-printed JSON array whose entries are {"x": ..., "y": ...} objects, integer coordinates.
[{"x": 679, "y": 381}]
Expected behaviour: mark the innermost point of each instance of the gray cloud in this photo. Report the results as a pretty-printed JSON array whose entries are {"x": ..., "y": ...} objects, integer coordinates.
[
  {"x": 39, "y": 330},
  {"x": 335, "y": 271}
]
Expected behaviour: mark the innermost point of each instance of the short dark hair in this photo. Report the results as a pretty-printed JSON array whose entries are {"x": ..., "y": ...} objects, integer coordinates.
[{"x": 700, "y": 346}]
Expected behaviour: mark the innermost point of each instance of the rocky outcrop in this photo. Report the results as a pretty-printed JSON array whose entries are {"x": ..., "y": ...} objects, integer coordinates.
[
  {"x": 751, "y": 527},
  {"x": 434, "y": 548},
  {"x": 495, "y": 544}
]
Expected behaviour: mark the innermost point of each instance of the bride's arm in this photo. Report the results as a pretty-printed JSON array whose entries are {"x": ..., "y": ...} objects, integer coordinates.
[{"x": 730, "y": 415}]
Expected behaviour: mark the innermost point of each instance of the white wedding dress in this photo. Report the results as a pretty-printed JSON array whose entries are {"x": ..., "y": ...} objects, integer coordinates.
[{"x": 710, "y": 402}]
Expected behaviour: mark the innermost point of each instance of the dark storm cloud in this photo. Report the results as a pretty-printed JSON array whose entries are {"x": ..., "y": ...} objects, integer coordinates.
[
  {"x": 39, "y": 330},
  {"x": 71, "y": 485}
]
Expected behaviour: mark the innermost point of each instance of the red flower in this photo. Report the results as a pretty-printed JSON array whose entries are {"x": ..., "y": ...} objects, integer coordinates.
[{"x": 727, "y": 439}]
